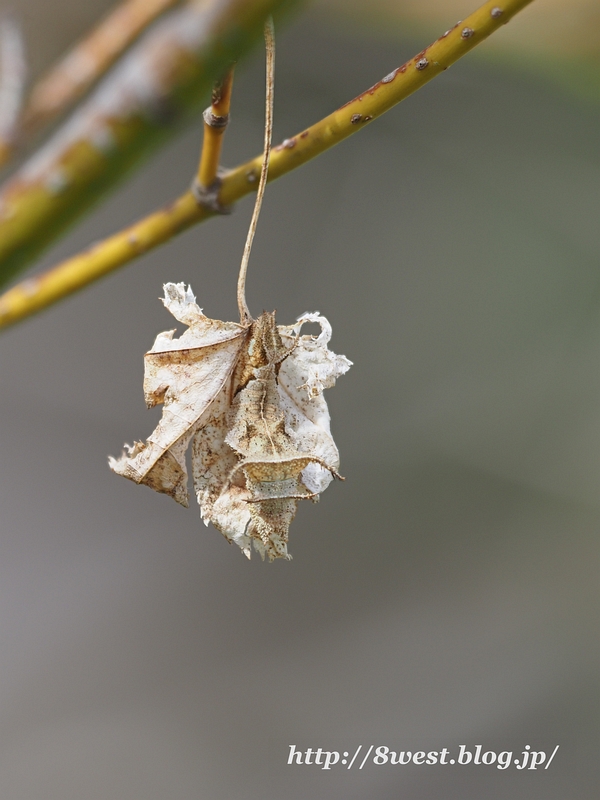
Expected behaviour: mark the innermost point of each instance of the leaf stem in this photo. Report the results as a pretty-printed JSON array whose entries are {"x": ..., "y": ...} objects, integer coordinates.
[
  {"x": 245, "y": 316},
  {"x": 39, "y": 292}
]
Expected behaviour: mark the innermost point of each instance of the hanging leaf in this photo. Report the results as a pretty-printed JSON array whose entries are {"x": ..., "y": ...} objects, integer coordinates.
[{"x": 251, "y": 399}]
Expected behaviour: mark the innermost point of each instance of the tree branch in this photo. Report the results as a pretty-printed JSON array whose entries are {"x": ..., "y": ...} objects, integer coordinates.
[{"x": 119, "y": 249}]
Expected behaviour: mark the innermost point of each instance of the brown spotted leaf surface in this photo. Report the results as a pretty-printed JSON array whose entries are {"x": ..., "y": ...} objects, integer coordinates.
[{"x": 250, "y": 400}]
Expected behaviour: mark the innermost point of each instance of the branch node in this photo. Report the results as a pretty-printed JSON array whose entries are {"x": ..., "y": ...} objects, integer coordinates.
[
  {"x": 208, "y": 196},
  {"x": 213, "y": 120}
]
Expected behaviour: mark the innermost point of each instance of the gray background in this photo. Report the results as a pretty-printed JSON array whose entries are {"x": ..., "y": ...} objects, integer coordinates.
[{"x": 447, "y": 593}]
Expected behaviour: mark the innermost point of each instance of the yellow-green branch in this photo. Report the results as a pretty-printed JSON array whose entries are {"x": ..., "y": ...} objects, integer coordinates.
[{"x": 77, "y": 272}]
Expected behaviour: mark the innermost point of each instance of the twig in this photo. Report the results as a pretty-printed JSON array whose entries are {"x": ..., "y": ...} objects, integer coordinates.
[
  {"x": 163, "y": 78},
  {"x": 117, "y": 250},
  {"x": 245, "y": 316},
  {"x": 206, "y": 184}
]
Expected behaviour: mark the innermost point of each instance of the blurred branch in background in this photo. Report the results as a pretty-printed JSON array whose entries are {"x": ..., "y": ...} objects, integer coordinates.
[
  {"x": 13, "y": 76},
  {"x": 88, "y": 60},
  {"x": 77, "y": 272},
  {"x": 164, "y": 77}
]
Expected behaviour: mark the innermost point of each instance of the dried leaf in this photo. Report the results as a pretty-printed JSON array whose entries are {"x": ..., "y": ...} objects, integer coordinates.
[{"x": 251, "y": 399}]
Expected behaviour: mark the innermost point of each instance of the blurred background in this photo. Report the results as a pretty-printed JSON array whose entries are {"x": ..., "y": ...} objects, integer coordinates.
[{"x": 447, "y": 593}]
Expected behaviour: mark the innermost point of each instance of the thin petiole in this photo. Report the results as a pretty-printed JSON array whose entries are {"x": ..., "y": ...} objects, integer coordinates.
[{"x": 245, "y": 316}]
